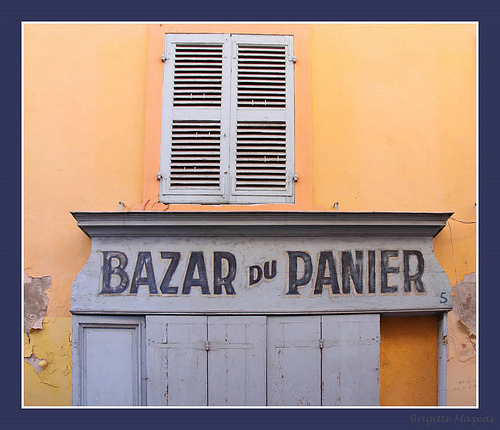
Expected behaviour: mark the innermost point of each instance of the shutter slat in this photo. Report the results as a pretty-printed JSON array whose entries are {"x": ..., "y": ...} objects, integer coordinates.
[
  {"x": 195, "y": 85},
  {"x": 182, "y": 70},
  {"x": 273, "y": 80},
  {"x": 272, "y": 98},
  {"x": 259, "y": 74},
  {"x": 188, "y": 47},
  {"x": 260, "y": 103},
  {"x": 195, "y": 147},
  {"x": 270, "y": 90},
  {"x": 197, "y": 103},
  {"x": 198, "y": 89},
  {"x": 261, "y": 48},
  {"x": 260, "y": 59}
]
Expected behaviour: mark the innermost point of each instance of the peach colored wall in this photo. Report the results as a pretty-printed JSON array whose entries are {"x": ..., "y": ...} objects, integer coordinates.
[
  {"x": 84, "y": 113},
  {"x": 385, "y": 121}
]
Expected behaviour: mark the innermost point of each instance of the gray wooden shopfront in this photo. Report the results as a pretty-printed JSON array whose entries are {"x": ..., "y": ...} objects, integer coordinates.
[{"x": 247, "y": 308}]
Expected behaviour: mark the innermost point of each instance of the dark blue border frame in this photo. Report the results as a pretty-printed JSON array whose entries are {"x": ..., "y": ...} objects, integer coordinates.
[{"x": 487, "y": 13}]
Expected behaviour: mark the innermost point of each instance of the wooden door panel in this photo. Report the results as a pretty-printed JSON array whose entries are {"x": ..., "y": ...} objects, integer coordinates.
[
  {"x": 237, "y": 361},
  {"x": 294, "y": 361},
  {"x": 177, "y": 360},
  {"x": 351, "y": 360}
]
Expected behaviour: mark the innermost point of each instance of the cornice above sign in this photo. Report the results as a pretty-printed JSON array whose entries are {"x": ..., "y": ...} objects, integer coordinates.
[
  {"x": 261, "y": 263},
  {"x": 270, "y": 223}
]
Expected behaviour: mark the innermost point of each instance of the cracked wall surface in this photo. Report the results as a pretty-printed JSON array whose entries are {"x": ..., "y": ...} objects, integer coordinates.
[
  {"x": 47, "y": 364},
  {"x": 36, "y": 301},
  {"x": 47, "y": 348},
  {"x": 461, "y": 384}
]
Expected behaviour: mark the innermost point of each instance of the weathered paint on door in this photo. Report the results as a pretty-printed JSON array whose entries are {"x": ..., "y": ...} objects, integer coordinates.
[
  {"x": 294, "y": 361},
  {"x": 177, "y": 360},
  {"x": 237, "y": 360},
  {"x": 199, "y": 361},
  {"x": 328, "y": 360},
  {"x": 350, "y": 360},
  {"x": 108, "y": 366},
  {"x": 258, "y": 360}
]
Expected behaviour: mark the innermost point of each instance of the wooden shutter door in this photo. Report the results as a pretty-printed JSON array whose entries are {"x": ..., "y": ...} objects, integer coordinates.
[
  {"x": 262, "y": 119},
  {"x": 351, "y": 360},
  {"x": 177, "y": 360},
  {"x": 108, "y": 361},
  {"x": 294, "y": 361},
  {"x": 237, "y": 361},
  {"x": 195, "y": 118}
]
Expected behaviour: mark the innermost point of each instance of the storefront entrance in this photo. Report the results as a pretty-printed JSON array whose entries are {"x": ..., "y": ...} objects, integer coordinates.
[
  {"x": 240, "y": 309},
  {"x": 258, "y": 360}
]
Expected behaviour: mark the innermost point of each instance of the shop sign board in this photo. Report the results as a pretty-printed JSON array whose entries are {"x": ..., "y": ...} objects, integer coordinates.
[{"x": 279, "y": 264}]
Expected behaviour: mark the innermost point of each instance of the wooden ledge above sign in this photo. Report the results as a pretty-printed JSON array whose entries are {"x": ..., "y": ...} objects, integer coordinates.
[
  {"x": 261, "y": 263},
  {"x": 269, "y": 223}
]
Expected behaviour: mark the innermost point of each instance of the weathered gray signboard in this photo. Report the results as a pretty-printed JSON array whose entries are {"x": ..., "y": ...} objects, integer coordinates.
[{"x": 260, "y": 263}]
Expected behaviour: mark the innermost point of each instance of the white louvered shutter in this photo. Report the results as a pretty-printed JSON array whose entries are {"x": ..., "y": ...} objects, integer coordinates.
[
  {"x": 262, "y": 119},
  {"x": 195, "y": 123},
  {"x": 228, "y": 119}
]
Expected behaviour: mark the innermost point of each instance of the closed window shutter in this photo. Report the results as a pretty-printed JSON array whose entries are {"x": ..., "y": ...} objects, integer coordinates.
[
  {"x": 194, "y": 124},
  {"x": 227, "y": 121},
  {"x": 262, "y": 119}
]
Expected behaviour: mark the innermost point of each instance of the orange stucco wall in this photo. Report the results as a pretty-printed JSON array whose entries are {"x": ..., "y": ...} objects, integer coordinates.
[
  {"x": 408, "y": 361},
  {"x": 385, "y": 121}
]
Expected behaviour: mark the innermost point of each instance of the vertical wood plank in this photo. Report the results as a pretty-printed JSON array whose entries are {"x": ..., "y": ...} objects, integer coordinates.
[
  {"x": 351, "y": 360},
  {"x": 294, "y": 366},
  {"x": 237, "y": 361},
  {"x": 177, "y": 360}
]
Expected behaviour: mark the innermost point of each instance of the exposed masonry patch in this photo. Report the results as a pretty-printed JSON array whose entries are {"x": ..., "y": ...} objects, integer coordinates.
[
  {"x": 36, "y": 301},
  {"x": 464, "y": 301},
  {"x": 37, "y": 363}
]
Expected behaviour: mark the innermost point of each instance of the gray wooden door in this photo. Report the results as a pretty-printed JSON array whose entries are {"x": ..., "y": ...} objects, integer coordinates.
[
  {"x": 177, "y": 360},
  {"x": 328, "y": 360},
  {"x": 256, "y": 360},
  {"x": 200, "y": 361},
  {"x": 108, "y": 361},
  {"x": 237, "y": 361},
  {"x": 294, "y": 361},
  {"x": 350, "y": 350}
]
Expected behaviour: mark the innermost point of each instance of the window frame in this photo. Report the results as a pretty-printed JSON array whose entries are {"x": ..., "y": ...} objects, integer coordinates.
[{"x": 228, "y": 114}]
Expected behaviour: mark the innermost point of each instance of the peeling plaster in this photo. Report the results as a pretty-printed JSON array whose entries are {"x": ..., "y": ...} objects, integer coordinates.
[
  {"x": 37, "y": 363},
  {"x": 28, "y": 348},
  {"x": 461, "y": 386},
  {"x": 50, "y": 347},
  {"x": 36, "y": 301},
  {"x": 464, "y": 301}
]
